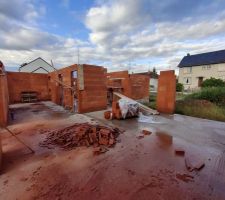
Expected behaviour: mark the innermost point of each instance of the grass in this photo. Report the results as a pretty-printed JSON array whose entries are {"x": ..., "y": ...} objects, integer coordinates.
[
  {"x": 201, "y": 108},
  {"x": 186, "y": 105},
  {"x": 152, "y": 101}
]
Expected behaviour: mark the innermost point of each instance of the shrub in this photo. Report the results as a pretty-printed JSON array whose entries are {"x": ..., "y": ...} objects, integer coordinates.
[
  {"x": 213, "y": 82},
  {"x": 213, "y": 94},
  {"x": 179, "y": 87}
]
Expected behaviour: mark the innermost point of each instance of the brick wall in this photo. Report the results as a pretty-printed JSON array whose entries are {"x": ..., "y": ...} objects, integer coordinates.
[
  {"x": 139, "y": 87},
  {"x": 113, "y": 79},
  {"x": 134, "y": 86},
  {"x": 57, "y": 91},
  {"x": 20, "y": 82},
  {"x": 0, "y": 153},
  {"x": 166, "y": 92},
  {"x": 4, "y": 103},
  {"x": 94, "y": 95},
  {"x": 4, "y": 98}
]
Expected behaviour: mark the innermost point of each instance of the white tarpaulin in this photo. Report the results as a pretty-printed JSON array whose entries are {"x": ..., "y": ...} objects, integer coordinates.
[{"x": 128, "y": 108}]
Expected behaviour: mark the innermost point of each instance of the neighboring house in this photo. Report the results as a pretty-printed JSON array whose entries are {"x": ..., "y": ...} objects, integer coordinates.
[
  {"x": 194, "y": 69},
  {"x": 153, "y": 80},
  {"x": 37, "y": 66}
]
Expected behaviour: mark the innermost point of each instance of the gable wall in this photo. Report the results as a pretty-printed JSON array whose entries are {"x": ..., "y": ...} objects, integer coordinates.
[{"x": 32, "y": 66}]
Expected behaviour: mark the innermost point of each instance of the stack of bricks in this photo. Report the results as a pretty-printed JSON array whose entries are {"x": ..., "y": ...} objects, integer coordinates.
[
  {"x": 116, "y": 112},
  {"x": 84, "y": 134}
]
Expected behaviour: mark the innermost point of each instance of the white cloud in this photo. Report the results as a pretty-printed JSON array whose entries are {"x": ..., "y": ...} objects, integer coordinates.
[
  {"x": 121, "y": 32},
  {"x": 126, "y": 32}
]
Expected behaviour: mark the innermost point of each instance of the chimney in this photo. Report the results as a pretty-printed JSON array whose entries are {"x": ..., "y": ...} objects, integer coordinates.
[{"x": 188, "y": 54}]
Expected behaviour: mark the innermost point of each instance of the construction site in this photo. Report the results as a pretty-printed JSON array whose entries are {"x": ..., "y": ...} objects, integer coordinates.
[{"x": 81, "y": 132}]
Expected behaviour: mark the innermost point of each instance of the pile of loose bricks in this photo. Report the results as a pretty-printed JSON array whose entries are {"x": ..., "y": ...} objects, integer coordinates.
[
  {"x": 84, "y": 134},
  {"x": 115, "y": 113}
]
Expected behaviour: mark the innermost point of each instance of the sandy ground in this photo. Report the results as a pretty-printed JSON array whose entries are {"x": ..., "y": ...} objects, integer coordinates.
[{"x": 135, "y": 168}]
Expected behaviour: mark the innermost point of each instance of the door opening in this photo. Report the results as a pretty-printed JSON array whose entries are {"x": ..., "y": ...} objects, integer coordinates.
[{"x": 200, "y": 81}]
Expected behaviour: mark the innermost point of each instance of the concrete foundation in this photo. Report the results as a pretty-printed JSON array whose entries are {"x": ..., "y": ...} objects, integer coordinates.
[{"x": 134, "y": 169}]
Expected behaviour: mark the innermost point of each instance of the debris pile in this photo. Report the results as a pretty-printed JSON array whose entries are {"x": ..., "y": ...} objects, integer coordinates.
[
  {"x": 144, "y": 133},
  {"x": 84, "y": 134}
]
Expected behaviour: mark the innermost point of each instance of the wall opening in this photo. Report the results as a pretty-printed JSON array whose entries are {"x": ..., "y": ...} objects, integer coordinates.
[
  {"x": 200, "y": 81},
  {"x": 61, "y": 91},
  {"x": 74, "y": 92}
]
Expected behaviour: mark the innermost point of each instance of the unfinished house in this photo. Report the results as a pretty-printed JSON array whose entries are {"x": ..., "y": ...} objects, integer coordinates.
[
  {"x": 135, "y": 86},
  {"x": 78, "y": 88},
  {"x": 49, "y": 153}
]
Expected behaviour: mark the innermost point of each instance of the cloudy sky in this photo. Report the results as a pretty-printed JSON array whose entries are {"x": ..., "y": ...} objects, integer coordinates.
[{"x": 118, "y": 34}]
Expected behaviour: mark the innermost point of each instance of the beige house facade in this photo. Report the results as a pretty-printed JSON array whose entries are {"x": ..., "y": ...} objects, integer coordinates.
[{"x": 194, "y": 69}]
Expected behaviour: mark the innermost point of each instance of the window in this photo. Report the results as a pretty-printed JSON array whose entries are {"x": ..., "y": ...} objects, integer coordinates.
[
  {"x": 187, "y": 80},
  {"x": 206, "y": 67},
  {"x": 187, "y": 70}
]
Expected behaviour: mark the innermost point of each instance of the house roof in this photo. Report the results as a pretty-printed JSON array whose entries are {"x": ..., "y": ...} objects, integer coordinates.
[
  {"x": 214, "y": 57},
  {"x": 23, "y": 65}
]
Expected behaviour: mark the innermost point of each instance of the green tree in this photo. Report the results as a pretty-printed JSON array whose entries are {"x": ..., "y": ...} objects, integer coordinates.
[
  {"x": 154, "y": 73},
  {"x": 179, "y": 87},
  {"x": 213, "y": 82}
]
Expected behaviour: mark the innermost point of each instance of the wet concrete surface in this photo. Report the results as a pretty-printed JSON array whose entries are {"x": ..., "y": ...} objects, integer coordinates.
[{"x": 145, "y": 168}]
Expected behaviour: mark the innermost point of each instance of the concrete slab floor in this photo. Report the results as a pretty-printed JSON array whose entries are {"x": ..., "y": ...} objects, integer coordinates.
[{"x": 135, "y": 168}]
